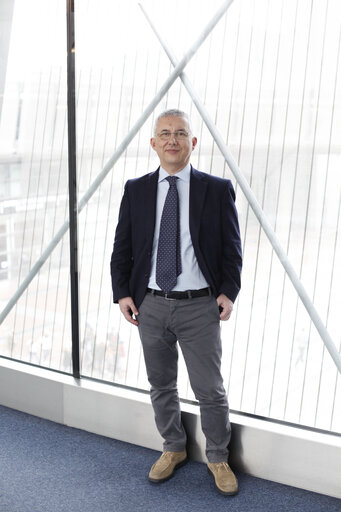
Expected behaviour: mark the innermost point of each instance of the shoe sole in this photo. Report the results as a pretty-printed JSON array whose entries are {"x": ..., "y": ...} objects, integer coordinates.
[
  {"x": 161, "y": 480},
  {"x": 224, "y": 493}
]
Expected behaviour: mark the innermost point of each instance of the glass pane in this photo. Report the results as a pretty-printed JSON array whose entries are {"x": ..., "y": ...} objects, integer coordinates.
[
  {"x": 269, "y": 77},
  {"x": 33, "y": 181}
]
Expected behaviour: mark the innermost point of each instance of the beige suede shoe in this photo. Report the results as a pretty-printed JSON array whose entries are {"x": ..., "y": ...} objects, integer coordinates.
[
  {"x": 164, "y": 467},
  {"x": 225, "y": 480}
]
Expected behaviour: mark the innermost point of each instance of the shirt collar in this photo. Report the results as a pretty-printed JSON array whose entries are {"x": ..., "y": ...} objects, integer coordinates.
[{"x": 184, "y": 174}]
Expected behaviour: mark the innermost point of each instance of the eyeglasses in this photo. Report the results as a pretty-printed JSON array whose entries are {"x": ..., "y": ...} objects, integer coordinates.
[{"x": 179, "y": 135}]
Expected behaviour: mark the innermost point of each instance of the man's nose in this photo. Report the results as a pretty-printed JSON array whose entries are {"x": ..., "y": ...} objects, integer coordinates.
[{"x": 173, "y": 139}]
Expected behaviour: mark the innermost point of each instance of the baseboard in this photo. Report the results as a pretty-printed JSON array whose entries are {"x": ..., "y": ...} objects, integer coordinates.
[{"x": 281, "y": 453}]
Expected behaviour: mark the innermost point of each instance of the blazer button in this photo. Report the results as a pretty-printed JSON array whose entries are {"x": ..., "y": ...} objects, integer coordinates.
[{"x": 146, "y": 275}]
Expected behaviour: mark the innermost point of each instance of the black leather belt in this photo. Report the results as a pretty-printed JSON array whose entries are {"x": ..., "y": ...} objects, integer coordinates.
[{"x": 188, "y": 294}]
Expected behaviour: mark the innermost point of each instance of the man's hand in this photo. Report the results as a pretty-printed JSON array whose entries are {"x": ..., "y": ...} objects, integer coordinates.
[
  {"x": 227, "y": 306},
  {"x": 128, "y": 309}
]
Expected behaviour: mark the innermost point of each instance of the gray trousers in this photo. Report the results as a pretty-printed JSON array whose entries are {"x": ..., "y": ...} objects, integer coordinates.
[{"x": 195, "y": 324}]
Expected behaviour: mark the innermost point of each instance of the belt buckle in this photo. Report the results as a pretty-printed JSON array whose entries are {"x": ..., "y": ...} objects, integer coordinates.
[{"x": 168, "y": 298}]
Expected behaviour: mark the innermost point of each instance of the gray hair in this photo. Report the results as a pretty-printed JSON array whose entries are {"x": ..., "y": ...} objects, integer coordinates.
[{"x": 173, "y": 112}]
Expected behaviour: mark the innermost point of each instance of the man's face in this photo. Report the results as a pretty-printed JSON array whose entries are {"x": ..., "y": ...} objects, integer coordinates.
[{"x": 174, "y": 153}]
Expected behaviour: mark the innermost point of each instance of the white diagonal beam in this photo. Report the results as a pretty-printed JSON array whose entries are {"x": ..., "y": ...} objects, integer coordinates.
[
  {"x": 119, "y": 151},
  {"x": 251, "y": 198}
]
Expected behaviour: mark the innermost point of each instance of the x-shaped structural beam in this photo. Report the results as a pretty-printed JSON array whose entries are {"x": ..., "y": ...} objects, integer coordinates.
[{"x": 178, "y": 72}]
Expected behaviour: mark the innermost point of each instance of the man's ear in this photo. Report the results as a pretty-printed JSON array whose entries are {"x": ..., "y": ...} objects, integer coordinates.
[
  {"x": 194, "y": 142},
  {"x": 153, "y": 142}
]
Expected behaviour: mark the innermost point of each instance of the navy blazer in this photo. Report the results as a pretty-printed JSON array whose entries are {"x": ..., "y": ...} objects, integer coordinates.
[{"x": 214, "y": 230}]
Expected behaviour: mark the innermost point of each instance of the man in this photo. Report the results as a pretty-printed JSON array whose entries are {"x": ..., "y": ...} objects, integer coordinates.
[{"x": 175, "y": 272}]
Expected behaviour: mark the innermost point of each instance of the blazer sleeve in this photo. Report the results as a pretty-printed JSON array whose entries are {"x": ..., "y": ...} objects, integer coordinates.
[
  {"x": 232, "y": 249},
  {"x": 121, "y": 259}
]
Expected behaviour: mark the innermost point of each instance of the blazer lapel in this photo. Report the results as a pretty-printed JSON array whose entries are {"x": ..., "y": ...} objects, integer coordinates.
[
  {"x": 197, "y": 192},
  {"x": 148, "y": 208}
]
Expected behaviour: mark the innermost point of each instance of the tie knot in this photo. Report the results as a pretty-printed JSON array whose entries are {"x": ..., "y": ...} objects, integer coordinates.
[{"x": 171, "y": 180}]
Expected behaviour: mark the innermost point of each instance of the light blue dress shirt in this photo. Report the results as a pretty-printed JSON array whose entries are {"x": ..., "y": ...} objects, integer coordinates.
[{"x": 191, "y": 277}]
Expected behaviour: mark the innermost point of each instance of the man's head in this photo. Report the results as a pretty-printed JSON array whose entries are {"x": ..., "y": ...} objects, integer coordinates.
[{"x": 172, "y": 140}]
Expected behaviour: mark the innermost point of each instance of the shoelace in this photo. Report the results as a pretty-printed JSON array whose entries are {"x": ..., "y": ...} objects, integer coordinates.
[
  {"x": 166, "y": 455},
  {"x": 222, "y": 465}
]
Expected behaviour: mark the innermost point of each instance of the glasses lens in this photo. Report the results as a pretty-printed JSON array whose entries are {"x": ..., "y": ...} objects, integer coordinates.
[
  {"x": 181, "y": 134},
  {"x": 165, "y": 135}
]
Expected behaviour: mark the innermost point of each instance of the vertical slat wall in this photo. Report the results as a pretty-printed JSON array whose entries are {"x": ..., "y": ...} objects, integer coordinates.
[
  {"x": 33, "y": 186},
  {"x": 269, "y": 75}
]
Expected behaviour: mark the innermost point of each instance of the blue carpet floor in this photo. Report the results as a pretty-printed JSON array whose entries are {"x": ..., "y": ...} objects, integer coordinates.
[{"x": 47, "y": 467}]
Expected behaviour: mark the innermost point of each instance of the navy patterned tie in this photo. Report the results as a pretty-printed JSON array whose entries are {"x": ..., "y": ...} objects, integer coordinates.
[{"x": 168, "y": 260}]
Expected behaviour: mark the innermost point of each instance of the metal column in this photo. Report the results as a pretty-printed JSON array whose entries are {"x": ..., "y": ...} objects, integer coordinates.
[{"x": 73, "y": 213}]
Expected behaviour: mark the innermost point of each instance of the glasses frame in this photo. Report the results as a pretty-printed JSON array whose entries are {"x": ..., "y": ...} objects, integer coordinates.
[{"x": 168, "y": 135}]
